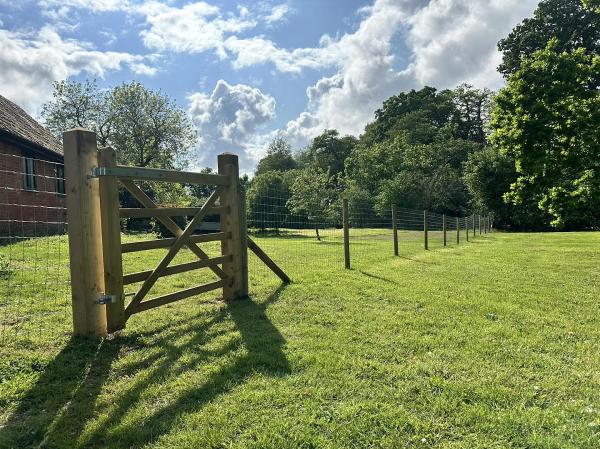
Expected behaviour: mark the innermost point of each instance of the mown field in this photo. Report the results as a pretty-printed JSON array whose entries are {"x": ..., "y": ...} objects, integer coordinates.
[{"x": 489, "y": 344}]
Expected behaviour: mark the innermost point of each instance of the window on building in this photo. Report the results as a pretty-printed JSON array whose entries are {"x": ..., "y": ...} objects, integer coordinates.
[
  {"x": 29, "y": 178},
  {"x": 59, "y": 174}
]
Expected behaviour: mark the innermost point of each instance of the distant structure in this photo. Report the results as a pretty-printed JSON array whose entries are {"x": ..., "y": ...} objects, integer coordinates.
[{"x": 32, "y": 184}]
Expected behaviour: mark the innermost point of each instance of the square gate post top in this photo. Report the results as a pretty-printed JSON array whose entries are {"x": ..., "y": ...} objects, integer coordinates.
[{"x": 229, "y": 158}]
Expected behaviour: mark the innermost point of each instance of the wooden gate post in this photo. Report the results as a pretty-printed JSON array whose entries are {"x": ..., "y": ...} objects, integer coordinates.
[
  {"x": 444, "y": 227},
  {"x": 85, "y": 233},
  {"x": 395, "y": 228},
  {"x": 234, "y": 222},
  {"x": 426, "y": 228},
  {"x": 346, "y": 225},
  {"x": 111, "y": 243}
]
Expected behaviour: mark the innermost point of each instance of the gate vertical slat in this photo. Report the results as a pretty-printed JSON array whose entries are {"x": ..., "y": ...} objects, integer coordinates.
[{"x": 111, "y": 243}]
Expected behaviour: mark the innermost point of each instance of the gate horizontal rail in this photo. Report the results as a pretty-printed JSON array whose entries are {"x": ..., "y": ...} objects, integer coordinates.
[
  {"x": 141, "y": 276},
  {"x": 176, "y": 296},
  {"x": 158, "y": 174},
  {"x": 149, "y": 212},
  {"x": 168, "y": 242}
]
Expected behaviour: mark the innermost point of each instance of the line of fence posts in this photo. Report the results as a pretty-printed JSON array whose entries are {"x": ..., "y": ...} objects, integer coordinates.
[{"x": 484, "y": 226}]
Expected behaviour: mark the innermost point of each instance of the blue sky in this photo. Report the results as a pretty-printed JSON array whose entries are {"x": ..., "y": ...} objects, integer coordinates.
[{"x": 248, "y": 71}]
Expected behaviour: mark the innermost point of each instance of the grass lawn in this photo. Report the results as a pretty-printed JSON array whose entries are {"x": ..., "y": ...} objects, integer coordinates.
[{"x": 493, "y": 343}]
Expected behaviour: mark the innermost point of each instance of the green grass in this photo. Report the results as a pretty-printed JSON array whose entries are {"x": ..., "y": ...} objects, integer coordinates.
[{"x": 491, "y": 344}]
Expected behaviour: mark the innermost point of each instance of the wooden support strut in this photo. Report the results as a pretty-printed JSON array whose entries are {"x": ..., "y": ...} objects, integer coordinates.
[{"x": 268, "y": 261}]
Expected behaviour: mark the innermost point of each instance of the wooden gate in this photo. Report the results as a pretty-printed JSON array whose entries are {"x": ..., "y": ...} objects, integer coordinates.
[{"x": 95, "y": 247}]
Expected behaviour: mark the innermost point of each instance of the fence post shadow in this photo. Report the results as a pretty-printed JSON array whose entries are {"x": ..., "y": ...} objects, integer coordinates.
[{"x": 66, "y": 391}]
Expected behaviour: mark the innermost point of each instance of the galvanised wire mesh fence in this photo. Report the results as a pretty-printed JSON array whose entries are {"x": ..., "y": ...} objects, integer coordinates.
[
  {"x": 35, "y": 300},
  {"x": 298, "y": 240},
  {"x": 34, "y": 265}
]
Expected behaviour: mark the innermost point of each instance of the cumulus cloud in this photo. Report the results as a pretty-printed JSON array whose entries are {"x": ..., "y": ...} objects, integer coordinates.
[
  {"x": 30, "y": 62},
  {"x": 450, "y": 42},
  {"x": 278, "y": 13},
  {"x": 228, "y": 119},
  {"x": 194, "y": 28}
]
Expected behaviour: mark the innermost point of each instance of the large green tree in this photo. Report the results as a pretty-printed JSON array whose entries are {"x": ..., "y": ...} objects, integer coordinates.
[
  {"x": 429, "y": 175},
  {"x": 312, "y": 196},
  {"x": 574, "y": 24},
  {"x": 266, "y": 200},
  {"x": 278, "y": 158},
  {"x": 145, "y": 127},
  {"x": 329, "y": 151},
  {"x": 547, "y": 118}
]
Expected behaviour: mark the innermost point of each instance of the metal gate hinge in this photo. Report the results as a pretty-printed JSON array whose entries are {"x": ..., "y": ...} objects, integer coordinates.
[{"x": 108, "y": 299}]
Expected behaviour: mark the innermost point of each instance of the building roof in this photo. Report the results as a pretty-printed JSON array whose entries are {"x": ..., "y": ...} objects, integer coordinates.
[{"x": 18, "y": 123}]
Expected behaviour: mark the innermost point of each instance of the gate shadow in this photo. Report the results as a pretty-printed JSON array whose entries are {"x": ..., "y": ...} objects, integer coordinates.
[{"x": 55, "y": 411}]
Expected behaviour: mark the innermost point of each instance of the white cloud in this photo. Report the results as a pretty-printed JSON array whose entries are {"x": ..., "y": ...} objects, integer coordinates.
[
  {"x": 278, "y": 13},
  {"x": 30, "y": 62},
  {"x": 195, "y": 27},
  {"x": 228, "y": 119},
  {"x": 450, "y": 42}
]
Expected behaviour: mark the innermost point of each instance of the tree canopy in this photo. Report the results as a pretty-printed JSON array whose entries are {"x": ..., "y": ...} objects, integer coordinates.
[
  {"x": 573, "y": 23},
  {"x": 145, "y": 127},
  {"x": 547, "y": 118}
]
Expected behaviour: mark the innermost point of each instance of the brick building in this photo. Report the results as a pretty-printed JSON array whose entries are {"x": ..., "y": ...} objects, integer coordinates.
[{"x": 32, "y": 186}]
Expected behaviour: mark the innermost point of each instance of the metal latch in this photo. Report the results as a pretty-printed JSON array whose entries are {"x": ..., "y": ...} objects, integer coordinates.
[
  {"x": 108, "y": 299},
  {"x": 96, "y": 172}
]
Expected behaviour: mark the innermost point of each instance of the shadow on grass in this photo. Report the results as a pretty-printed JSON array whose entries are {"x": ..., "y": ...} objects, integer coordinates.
[
  {"x": 379, "y": 278},
  {"x": 54, "y": 412}
]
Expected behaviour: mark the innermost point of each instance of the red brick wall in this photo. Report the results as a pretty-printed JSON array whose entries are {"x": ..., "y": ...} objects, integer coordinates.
[{"x": 26, "y": 213}]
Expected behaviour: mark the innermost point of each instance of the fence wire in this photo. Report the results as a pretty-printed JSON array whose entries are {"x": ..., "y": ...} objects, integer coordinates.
[
  {"x": 34, "y": 270},
  {"x": 35, "y": 299}
]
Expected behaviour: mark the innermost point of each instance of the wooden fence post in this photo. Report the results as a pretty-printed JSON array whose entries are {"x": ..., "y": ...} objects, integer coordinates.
[
  {"x": 457, "y": 230},
  {"x": 479, "y": 222},
  {"x": 111, "y": 243},
  {"x": 426, "y": 228},
  {"x": 346, "y": 233},
  {"x": 444, "y": 227},
  {"x": 474, "y": 233},
  {"x": 395, "y": 228},
  {"x": 85, "y": 233},
  {"x": 467, "y": 227},
  {"x": 234, "y": 222}
]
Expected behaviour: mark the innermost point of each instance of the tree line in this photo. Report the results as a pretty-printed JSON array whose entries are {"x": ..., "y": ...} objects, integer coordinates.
[{"x": 528, "y": 154}]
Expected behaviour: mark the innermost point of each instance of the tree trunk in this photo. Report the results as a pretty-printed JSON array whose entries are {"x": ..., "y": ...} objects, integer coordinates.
[{"x": 317, "y": 231}]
